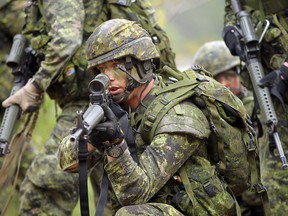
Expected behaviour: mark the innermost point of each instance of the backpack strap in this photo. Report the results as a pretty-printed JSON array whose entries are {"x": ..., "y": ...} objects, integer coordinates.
[
  {"x": 187, "y": 186},
  {"x": 166, "y": 98}
]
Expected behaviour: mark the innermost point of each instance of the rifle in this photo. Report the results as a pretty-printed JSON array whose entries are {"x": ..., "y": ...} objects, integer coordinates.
[
  {"x": 256, "y": 73},
  {"x": 86, "y": 122},
  {"x": 24, "y": 64},
  {"x": 94, "y": 114}
]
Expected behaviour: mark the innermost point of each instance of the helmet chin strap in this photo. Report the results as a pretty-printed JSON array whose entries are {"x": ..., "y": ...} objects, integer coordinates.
[
  {"x": 144, "y": 71},
  {"x": 121, "y": 97}
]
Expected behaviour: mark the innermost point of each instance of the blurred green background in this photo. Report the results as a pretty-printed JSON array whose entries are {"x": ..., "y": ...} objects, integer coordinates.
[{"x": 188, "y": 23}]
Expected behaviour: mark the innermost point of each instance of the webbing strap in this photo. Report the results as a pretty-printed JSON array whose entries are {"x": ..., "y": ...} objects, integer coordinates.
[
  {"x": 251, "y": 147},
  {"x": 161, "y": 104},
  {"x": 187, "y": 186},
  {"x": 103, "y": 195},
  {"x": 220, "y": 144},
  {"x": 42, "y": 12},
  {"x": 282, "y": 29},
  {"x": 83, "y": 189},
  {"x": 237, "y": 207},
  {"x": 175, "y": 86}
]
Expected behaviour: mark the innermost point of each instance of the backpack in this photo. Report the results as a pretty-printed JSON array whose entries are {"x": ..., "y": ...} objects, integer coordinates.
[{"x": 232, "y": 145}]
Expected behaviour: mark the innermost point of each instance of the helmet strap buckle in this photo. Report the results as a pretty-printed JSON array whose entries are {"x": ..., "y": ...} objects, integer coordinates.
[{"x": 128, "y": 63}]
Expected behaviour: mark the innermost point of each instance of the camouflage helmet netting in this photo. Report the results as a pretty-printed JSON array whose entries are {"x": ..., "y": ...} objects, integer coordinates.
[
  {"x": 118, "y": 38},
  {"x": 215, "y": 57}
]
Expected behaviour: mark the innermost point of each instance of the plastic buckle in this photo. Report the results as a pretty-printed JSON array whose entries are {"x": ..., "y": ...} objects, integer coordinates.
[
  {"x": 164, "y": 101},
  {"x": 209, "y": 188},
  {"x": 259, "y": 188}
]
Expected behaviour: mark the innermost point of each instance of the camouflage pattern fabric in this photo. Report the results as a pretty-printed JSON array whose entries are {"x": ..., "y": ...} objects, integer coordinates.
[
  {"x": 103, "y": 49},
  {"x": 247, "y": 98},
  {"x": 60, "y": 33},
  {"x": 273, "y": 53},
  {"x": 215, "y": 57},
  {"x": 250, "y": 202},
  {"x": 156, "y": 181},
  {"x": 44, "y": 173},
  {"x": 12, "y": 16},
  {"x": 149, "y": 209}
]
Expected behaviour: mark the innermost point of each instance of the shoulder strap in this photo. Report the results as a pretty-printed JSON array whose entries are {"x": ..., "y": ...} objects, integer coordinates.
[{"x": 166, "y": 98}]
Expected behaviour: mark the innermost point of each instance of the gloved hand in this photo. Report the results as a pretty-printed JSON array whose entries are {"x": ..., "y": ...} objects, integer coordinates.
[
  {"x": 232, "y": 39},
  {"x": 29, "y": 98},
  {"x": 108, "y": 132},
  {"x": 277, "y": 81}
]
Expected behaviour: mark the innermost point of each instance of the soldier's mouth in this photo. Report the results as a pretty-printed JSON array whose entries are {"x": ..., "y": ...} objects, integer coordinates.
[{"x": 114, "y": 90}]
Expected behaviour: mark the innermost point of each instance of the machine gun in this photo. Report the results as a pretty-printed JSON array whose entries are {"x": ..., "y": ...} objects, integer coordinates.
[
  {"x": 251, "y": 58},
  {"x": 24, "y": 64},
  {"x": 86, "y": 122}
]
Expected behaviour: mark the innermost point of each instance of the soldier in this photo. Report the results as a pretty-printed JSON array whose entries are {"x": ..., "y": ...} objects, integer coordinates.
[
  {"x": 273, "y": 55},
  {"x": 59, "y": 29},
  {"x": 215, "y": 57},
  {"x": 123, "y": 51},
  {"x": 12, "y": 17}
]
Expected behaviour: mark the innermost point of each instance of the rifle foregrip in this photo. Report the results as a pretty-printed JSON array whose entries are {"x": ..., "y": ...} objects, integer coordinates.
[{"x": 8, "y": 124}]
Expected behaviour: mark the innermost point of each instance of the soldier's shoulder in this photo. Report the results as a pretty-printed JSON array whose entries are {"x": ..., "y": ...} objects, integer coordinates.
[{"x": 187, "y": 118}]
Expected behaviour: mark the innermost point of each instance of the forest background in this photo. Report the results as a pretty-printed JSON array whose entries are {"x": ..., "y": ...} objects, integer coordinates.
[{"x": 188, "y": 23}]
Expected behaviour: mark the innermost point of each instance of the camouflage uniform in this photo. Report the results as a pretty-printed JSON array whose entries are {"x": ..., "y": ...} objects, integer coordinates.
[
  {"x": 274, "y": 51},
  {"x": 59, "y": 30},
  {"x": 12, "y": 16},
  {"x": 154, "y": 186}
]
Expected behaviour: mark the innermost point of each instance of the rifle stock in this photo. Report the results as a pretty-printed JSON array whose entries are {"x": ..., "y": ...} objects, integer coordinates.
[{"x": 256, "y": 73}]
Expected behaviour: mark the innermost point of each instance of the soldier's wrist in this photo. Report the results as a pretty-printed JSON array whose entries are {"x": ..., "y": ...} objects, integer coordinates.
[{"x": 36, "y": 85}]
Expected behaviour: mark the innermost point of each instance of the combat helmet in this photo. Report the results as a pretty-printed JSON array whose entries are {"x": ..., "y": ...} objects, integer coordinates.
[
  {"x": 117, "y": 39},
  {"x": 215, "y": 57}
]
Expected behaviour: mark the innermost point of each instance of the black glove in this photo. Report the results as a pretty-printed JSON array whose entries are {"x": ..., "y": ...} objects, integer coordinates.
[
  {"x": 277, "y": 81},
  {"x": 232, "y": 38},
  {"x": 108, "y": 132}
]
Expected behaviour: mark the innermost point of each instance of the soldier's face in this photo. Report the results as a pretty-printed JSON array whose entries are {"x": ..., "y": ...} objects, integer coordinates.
[
  {"x": 231, "y": 81},
  {"x": 117, "y": 77}
]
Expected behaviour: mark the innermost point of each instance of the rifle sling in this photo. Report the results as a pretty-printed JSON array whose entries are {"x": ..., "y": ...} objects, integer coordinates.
[
  {"x": 83, "y": 190},
  {"x": 103, "y": 195}
]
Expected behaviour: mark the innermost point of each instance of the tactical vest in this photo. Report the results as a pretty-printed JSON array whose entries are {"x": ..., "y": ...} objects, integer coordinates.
[
  {"x": 96, "y": 12},
  {"x": 232, "y": 145}
]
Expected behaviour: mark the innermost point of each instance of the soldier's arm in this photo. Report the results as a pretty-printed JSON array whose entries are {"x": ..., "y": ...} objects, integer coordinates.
[
  {"x": 65, "y": 25},
  {"x": 178, "y": 135},
  {"x": 229, "y": 16},
  {"x": 136, "y": 184}
]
